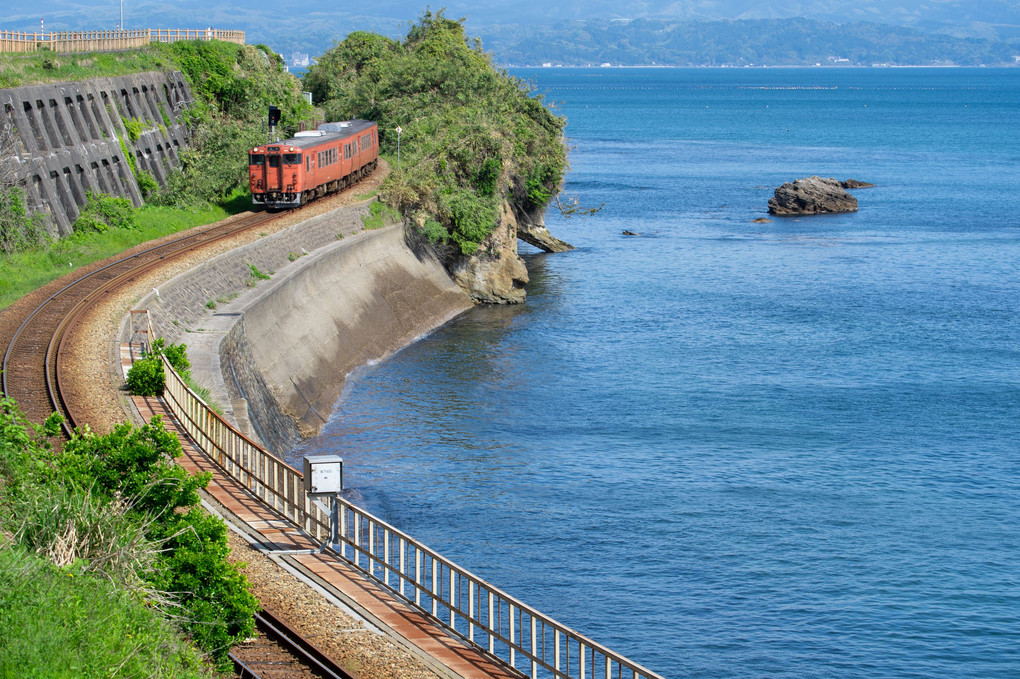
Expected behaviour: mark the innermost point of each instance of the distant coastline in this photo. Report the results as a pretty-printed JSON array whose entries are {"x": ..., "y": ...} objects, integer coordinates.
[{"x": 747, "y": 67}]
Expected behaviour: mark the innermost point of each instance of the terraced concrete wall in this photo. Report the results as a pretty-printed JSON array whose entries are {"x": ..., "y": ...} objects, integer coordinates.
[{"x": 65, "y": 139}]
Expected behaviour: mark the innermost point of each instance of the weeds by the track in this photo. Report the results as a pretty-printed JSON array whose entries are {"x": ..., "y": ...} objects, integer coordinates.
[
  {"x": 23, "y": 272},
  {"x": 96, "y": 630}
]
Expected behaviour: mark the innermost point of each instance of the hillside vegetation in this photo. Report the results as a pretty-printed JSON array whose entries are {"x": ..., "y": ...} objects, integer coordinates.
[
  {"x": 233, "y": 85},
  {"x": 472, "y": 137}
]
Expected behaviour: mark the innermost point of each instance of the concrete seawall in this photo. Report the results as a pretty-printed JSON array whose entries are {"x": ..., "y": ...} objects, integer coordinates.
[{"x": 276, "y": 356}]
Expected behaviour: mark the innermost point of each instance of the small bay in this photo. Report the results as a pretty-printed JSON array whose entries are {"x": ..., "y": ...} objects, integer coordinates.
[{"x": 735, "y": 449}]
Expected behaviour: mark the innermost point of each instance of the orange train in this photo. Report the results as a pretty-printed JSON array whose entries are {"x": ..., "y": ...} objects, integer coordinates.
[{"x": 291, "y": 172}]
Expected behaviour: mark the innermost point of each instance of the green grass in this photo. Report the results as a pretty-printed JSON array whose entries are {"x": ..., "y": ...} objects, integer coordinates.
[
  {"x": 17, "y": 70},
  {"x": 23, "y": 272},
  {"x": 380, "y": 215},
  {"x": 96, "y": 629}
]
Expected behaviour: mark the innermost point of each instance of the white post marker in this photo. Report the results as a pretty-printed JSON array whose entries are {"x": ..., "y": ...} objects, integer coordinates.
[{"x": 398, "y": 147}]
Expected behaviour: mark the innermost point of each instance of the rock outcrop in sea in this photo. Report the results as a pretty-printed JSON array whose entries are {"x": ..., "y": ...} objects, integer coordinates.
[
  {"x": 812, "y": 195},
  {"x": 495, "y": 273},
  {"x": 532, "y": 230}
]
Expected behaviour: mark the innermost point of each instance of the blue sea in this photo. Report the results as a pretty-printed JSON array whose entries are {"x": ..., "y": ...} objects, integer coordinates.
[{"x": 736, "y": 449}]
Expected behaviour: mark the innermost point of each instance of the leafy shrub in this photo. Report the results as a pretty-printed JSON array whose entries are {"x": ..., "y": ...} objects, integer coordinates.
[
  {"x": 100, "y": 507},
  {"x": 435, "y": 232},
  {"x": 18, "y": 229},
  {"x": 146, "y": 378},
  {"x": 473, "y": 217},
  {"x": 138, "y": 463},
  {"x": 473, "y": 137},
  {"x": 214, "y": 593},
  {"x": 103, "y": 212},
  {"x": 177, "y": 354},
  {"x": 134, "y": 128},
  {"x": 147, "y": 184}
]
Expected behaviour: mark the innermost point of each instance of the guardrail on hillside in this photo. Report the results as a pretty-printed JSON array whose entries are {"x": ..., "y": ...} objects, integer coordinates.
[
  {"x": 103, "y": 41},
  {"x": 480, "y": 613}
]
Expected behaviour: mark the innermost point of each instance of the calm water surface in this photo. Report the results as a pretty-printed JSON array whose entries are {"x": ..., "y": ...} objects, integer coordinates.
[{"x": 728, "y": 449}]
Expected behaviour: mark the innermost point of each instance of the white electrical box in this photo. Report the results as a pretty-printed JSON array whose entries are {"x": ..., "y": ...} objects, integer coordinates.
[{"x": 324, "y": 474}]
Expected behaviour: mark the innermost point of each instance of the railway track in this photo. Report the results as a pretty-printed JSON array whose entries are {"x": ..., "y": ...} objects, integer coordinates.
[
  {"x": 32, "y": 361},
  {"x": 280, "y": 651},
  {"x": 32, "y": 375}
]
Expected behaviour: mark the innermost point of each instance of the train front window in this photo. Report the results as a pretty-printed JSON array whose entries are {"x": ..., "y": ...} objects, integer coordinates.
[
  {"x": 274, "y": 161},
  {"x": 256, "y": 158},
  {"x": 292, "y": 159}
]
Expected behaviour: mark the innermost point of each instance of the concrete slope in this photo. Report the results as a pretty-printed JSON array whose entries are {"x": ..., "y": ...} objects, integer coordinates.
[{"x": 354, "y": 302}]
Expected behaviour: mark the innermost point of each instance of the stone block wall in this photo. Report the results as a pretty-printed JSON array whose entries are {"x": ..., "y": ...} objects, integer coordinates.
[{"x": 66, "y": 138}]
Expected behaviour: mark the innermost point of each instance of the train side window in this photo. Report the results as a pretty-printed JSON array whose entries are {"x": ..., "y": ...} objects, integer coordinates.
[
  {"x": 274, "y": 161},
  {"x": 256, "y": 158},
  {"x": 292, "y": 159}
]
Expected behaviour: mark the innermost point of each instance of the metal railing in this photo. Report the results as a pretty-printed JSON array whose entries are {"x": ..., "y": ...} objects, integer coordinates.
[
  {"x": 469, "y": 607},
  {"x": 100, "y": 41}
]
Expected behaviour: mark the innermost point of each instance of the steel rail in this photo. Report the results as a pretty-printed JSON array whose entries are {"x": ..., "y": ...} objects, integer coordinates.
[
  {"x": 278, "y": 630},
  {"x": 304, "y": 651},
  {"x": 171, "y": 248}
]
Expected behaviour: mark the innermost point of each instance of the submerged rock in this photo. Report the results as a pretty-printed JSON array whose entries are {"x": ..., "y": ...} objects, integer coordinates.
[
  {"x": 855, "y": 184},
  {"x": 811, "y": 195},
  {"x": 631, "y": 233},
  {"x": 761, "y": 220}
]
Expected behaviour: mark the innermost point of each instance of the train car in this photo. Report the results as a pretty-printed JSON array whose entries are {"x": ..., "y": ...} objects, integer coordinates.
[{"x": 291, "y": 172}]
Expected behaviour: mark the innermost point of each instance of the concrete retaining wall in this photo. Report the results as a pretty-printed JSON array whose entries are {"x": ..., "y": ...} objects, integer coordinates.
[
  {"x": 66, "y": 138},
  {"x": 276, "y": 355},
  {"x": 349, "y": 306}
]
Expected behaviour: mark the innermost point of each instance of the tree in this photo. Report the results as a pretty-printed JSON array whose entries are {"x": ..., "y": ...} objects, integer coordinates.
[{"x": 473, "y": 137}]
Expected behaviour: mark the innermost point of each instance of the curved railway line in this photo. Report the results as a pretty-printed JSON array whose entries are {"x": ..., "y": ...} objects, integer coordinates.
[
  {"x": 32, "y": 361},
  {"x": 32, "y": 375},
  {"x": 279, "y": 651}
]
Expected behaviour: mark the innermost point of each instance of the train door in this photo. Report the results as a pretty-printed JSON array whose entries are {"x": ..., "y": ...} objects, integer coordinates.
[
  {"x": 274, "y": 169},
  {"x": 348, "y": 162},
  {"x": 257, "y": 173}
]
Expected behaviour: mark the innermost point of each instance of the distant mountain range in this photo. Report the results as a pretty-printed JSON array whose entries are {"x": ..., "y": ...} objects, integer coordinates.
[
  {"x": 750, "y": 42},
  {"x": 680, "y": 32}
]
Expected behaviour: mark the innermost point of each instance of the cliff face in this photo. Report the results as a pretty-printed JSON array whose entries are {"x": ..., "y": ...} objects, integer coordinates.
[
  {"x": 495, "y": 274},
  {"x": 532, "y": 230}
]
